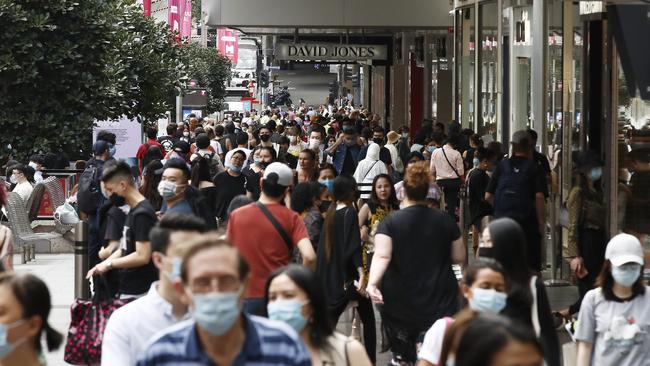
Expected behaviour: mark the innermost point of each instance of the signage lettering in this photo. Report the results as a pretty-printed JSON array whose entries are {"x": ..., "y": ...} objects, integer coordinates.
[{"x": 285, "y": 51}]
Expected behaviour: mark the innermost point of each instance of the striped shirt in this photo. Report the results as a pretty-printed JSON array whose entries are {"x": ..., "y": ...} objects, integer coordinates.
[{"x": 267, "y": 343}]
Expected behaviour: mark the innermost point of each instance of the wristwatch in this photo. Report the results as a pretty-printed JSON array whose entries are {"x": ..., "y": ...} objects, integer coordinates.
[{"x": 109, "y": 264}]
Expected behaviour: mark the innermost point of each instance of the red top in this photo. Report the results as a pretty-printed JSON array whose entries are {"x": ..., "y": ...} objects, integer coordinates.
[
  {"x": 260, "y": 244},
  {"x": 144, "y": 147}
]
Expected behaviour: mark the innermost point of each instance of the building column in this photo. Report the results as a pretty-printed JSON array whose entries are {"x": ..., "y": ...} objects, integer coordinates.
[{"x": 538, "y": 69}]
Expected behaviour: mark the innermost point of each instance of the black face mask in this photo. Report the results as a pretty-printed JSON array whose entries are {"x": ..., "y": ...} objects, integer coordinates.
[
  {"x": 117, "y": 200},
  {"x": 378, "y": 141},
  {"x": 263, "y": 164},
  {"x": 265, "y": 138}
]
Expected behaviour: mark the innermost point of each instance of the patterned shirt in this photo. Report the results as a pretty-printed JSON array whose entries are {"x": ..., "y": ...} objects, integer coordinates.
[{"x": 268, "y": 343}]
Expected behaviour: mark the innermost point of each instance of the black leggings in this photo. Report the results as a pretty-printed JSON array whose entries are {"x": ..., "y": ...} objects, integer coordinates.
[
  {"x": 591, "y": 246},
  {"x": 451, "y": 189},
  {"x": 367, "y": 315}
]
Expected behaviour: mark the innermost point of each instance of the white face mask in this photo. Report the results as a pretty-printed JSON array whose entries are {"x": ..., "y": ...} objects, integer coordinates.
[
  {"x": 314, "y": 143},
  {"x": 13, "y": 179},
  {"x": 33, "y": 165}
]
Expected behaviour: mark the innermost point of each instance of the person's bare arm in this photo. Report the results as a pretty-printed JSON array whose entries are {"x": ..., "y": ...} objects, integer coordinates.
[
  {"x": 363, "y": 217},
  {"x": 458, "y": 251},
  {"x": 380, "y": 262},
  {"x": 584, "y": 353},
  {"x": 109, "y": 249},
  {"x": 307, "y": 253}
]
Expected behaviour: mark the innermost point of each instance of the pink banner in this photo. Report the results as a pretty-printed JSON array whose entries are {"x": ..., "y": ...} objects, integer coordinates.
[
  {"x": 147, "y": 7},
  {"x": 186, "y": 19},
  {"x": 174, "y": 15},
  {"x": 228, "y": 43}
]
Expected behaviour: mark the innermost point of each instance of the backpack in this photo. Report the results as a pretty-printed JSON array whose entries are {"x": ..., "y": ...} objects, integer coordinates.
[
  {"x": 213, "y": 165},
  {"x": 150, "y": 155},
  {"x": 89, "y": 194},
  {"x": 513, "y": 197}
]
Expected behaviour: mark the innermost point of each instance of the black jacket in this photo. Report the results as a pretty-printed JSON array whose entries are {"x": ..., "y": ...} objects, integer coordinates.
[{"x": 201, "y": 207}]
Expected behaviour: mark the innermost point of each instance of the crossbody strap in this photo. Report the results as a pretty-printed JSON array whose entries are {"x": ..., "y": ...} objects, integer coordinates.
[
  {"x": 448, "y": 162},
  {"x": 277, "y": 226},
  {"x": 368, "y": 172}
]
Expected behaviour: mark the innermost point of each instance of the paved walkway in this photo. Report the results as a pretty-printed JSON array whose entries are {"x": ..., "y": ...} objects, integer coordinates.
[{"x": 57, "y": 270}]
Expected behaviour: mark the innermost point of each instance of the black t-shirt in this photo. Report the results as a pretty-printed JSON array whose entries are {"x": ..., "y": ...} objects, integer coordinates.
[
  {"x": 167, "y": 142},
  {"x": 419, "y": 285},
  {"x": 253, "y": 182},
  {"x": 544, "y": 168},
  {"x": 535, "y": 180},
  {"x": 349, "y": 166},
  {"x": 228, "y": 187},
  {"x": 384, "y": 154},
  {"x": 114, "y": 224},
  {"x": 140, "y": 220},
  {"x": 477, "y": 183}
]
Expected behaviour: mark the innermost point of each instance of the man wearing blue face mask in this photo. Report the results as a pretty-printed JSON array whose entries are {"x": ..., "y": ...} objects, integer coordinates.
[
  {"x": 214, "y": 277},
  {"x": 131, "y": 327}
]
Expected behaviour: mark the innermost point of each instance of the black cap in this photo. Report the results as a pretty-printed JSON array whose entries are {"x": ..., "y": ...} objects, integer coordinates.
[
  {"x": 587, "y": 160},
  {"x": 202, "y": 141},
  {"x": 182, "y": 147}
]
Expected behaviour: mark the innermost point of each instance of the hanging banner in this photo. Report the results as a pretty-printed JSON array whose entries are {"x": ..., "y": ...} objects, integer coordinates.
[
  {"x": 228, "y": 43},
  {"x": 174, "y": 19},
  {"x": 186, "y": 20}
]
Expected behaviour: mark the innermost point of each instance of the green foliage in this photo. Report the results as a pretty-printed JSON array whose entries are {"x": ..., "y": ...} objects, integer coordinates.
[
  {"x": 65, "y": 63},
  {"x": 211, "y": 71}
]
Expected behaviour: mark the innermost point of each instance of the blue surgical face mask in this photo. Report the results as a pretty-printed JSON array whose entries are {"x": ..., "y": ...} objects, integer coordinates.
[
  {"x": 627, "y": 274},
  {"x": 13, "y": 179},
  {"x": 216, "y": 312},
  {"x": 175, "y": 274},
  {"x": 111, "y": 150},
  {"x": 476, "y": 162},
  {"x": 288, "y": 311},
  {"x": 487, "y": 300},
  {"x": 5, "y": 347},
  {"x": 235, "y": 169},
  {"x": 596, "y": 173},
  {"x": 329, "y": 184},
  {"x": 430, "y": 149}
]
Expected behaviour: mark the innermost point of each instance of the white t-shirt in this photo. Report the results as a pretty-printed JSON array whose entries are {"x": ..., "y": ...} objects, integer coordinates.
[
  {"x": 618, "y": 330},
  {"x": 432, "y": 345},
  {"x": 24, "y": 190}
]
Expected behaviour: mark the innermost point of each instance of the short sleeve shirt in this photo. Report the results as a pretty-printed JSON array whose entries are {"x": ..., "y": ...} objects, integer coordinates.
[
  {"x": 419, "y": 286},
  {"x": 619, "y": 330},
  {"x": 536, "y": 179},
  {"x": 139, "y": 222},
  {"x": 261, "y": 244},
  {"x": 115, "y": 224}
]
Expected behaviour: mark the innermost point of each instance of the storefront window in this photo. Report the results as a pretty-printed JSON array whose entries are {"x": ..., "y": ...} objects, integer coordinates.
[
  {"x": 554, "y": 75},
  {"x": 465, "y": 67},
  {"x": 489, "y": 49}
]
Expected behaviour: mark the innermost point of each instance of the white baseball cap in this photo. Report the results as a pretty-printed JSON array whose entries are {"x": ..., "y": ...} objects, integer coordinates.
[
  {"x": 284, "y": 173},
  {"x": 624, "y": 248}
]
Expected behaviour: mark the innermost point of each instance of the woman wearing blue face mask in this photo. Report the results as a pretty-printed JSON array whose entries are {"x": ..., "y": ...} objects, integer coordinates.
[
  {"x": 614, "y": 323},
  {"x": 485, "y": 289},
  {"x": 24, "y": 308},
  {"x": 294, "y": 295},
  {"x": 587, "y": 238},
  {"x": 326, "y": 177}
]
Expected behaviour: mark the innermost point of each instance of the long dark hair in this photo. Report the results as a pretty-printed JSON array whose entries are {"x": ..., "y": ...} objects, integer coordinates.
[
  {"x": 34, "y": 299},
  {"x": 304, "y": 195},
  {"x": 345, "y": 190},
  {"x": 486, "y": 335},
  {"x": 320, "y": 325},
  {"x": 150, "y": 189},
  {"x": 393, "y": 203},
  {"x": 509, "y": 249},
  {"x": 200, "y": 171}
]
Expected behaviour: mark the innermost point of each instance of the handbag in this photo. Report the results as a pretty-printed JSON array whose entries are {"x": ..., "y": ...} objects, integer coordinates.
[
  {"x": 83, "y": 345},
  {"x": 66, "y": 214}
]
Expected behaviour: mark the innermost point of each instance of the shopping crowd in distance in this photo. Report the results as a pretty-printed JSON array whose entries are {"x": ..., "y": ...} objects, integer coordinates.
[{"x": 243, "y": 242}]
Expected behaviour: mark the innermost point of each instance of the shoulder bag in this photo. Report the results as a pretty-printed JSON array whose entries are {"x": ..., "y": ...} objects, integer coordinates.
[{"x": 277, "y": 226}]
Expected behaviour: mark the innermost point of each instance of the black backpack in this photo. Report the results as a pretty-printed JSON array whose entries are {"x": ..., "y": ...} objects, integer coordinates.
[
  {"x": 89, "y": 194},
  {"x": 514, "y": 197},
  {"x": 212, "y": 163}
]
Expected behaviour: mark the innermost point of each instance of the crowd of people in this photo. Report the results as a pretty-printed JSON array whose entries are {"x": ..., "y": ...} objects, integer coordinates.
[{"x": 244, "y": 241}]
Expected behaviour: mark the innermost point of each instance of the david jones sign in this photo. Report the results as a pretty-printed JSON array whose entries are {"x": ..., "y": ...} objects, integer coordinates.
[{"x": 310, "y": 51}]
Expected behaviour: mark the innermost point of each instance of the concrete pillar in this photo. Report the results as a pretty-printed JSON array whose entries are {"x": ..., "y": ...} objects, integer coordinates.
[{"x": 538, "y": 69}]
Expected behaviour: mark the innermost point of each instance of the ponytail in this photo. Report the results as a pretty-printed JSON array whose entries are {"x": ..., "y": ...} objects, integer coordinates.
[{"x": 53, "y": 338}]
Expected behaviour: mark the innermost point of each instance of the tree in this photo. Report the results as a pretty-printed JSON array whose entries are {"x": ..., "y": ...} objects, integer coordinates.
[
  {"x": 210, "y": 70},
  {"x": 65, "y": 63}
]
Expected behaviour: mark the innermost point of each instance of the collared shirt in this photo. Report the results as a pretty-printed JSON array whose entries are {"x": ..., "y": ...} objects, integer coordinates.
[
  {"x": 267, "y": 343},
  {"x": 447, "y": 169},
  {"x": 131, "y": 327}
]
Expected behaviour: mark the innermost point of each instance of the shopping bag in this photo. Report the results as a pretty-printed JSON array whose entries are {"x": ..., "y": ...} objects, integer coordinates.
[{"x": 88, "y": 321}]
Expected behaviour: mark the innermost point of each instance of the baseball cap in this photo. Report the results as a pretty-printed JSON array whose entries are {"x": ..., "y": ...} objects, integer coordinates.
[
  {"x": 202, "y": 141},
  {"x": 624, "y": 248},
  {"x": 283, "y": 172},
  {"x": 100, "y": 147},
  {"x": 181, "y": 147},
  {"x": 521, "y": 137}
]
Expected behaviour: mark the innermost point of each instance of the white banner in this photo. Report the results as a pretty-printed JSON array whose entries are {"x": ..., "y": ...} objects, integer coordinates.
[{"x": 127, "y": 132}]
